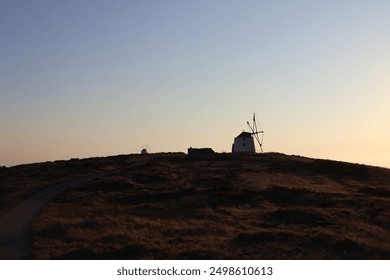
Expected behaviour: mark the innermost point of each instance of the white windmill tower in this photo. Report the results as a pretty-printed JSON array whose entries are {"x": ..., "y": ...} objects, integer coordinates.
[{"x": 244, "y": 142}]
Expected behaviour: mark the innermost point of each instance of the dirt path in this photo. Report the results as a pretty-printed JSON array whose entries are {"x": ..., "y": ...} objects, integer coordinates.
[{"x": 16, "y": 225}]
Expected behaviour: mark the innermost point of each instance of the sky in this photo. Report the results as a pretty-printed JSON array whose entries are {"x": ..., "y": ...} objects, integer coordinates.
[{"x": 86, "y": 78}]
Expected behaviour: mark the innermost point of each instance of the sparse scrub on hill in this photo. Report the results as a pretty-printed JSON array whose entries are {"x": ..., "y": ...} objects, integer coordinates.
[
  {"x": 22, "y": 181},
  {"x": 267, "y": 206}
]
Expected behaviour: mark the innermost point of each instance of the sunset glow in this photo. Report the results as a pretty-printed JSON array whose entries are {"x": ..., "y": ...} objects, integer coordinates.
[{"x": 98, "y": 78}]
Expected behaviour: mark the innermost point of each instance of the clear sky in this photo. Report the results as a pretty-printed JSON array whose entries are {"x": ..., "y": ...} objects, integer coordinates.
[{"x": 83, "y": 78}]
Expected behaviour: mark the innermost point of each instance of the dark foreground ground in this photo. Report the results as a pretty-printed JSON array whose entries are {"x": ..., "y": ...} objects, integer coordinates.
[{"x": 263, "y": 206}]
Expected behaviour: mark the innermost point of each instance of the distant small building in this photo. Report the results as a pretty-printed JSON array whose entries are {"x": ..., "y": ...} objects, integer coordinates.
[
  {"x": 244, "y": 143},
  {"x": 201, "y": 153}
]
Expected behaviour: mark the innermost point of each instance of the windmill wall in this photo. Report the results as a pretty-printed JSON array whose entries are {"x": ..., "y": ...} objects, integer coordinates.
[{"x": 244, "y": 143}]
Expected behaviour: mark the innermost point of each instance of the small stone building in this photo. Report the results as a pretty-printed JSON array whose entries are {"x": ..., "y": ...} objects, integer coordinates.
[{"x": 201, "y": 153}]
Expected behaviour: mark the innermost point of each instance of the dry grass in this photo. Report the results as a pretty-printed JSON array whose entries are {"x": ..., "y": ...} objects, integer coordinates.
[
  {"x": 267, "y": 206},
  {"x": 22, "y": 181}
]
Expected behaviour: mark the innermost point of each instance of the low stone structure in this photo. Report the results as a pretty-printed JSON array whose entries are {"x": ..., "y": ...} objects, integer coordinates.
[{"x": 201, "y": 153}]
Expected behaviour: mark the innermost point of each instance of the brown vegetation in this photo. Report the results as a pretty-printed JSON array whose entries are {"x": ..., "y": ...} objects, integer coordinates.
[
  {"x": 263, "y": 206},
  {"x": 22, "y": 181}
]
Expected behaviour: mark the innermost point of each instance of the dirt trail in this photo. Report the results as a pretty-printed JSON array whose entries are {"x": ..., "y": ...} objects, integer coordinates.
[{"x": 16, "y": 225}]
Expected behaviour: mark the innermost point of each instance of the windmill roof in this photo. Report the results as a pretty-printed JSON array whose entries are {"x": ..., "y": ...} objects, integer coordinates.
[{"x": 245, "y": 134}]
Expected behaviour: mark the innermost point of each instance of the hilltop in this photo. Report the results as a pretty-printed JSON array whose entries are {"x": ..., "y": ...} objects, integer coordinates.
[{"x": 253, "y": 206}]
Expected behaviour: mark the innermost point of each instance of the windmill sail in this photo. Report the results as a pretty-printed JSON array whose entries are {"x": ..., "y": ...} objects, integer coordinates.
[{"x": 256, "y": 133}]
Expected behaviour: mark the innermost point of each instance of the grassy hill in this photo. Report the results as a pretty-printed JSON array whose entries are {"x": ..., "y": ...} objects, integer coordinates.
[
  {"x": 259, "y": 206},
  {"x": 19, "y": 182}
]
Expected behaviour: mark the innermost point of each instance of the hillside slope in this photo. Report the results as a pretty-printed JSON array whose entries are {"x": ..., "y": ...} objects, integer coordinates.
[{"x": 263, "y": 206}]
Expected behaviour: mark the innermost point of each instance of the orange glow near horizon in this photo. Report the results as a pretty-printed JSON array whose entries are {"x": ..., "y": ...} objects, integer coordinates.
[{"x": 73, "y": 85}]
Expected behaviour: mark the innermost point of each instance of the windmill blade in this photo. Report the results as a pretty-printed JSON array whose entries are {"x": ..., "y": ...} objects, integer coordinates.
[
  {"x": 255, "y": 125},
  {"x": 261, "y": 142},
  {"x": 254, "y": 122},
  {"x": 253, "y": 132},
  {"x": 256, "y": 133},
  {"x": 258, "y": 140}
]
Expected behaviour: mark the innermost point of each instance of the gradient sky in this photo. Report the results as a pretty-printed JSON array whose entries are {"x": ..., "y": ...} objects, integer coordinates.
[{"x": 83, "y": 78}]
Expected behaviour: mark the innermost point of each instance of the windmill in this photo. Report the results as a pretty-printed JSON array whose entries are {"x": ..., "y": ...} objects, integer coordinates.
[
  {"x": 256, "y": 133},
  {"x": 244, "y": 142}
]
